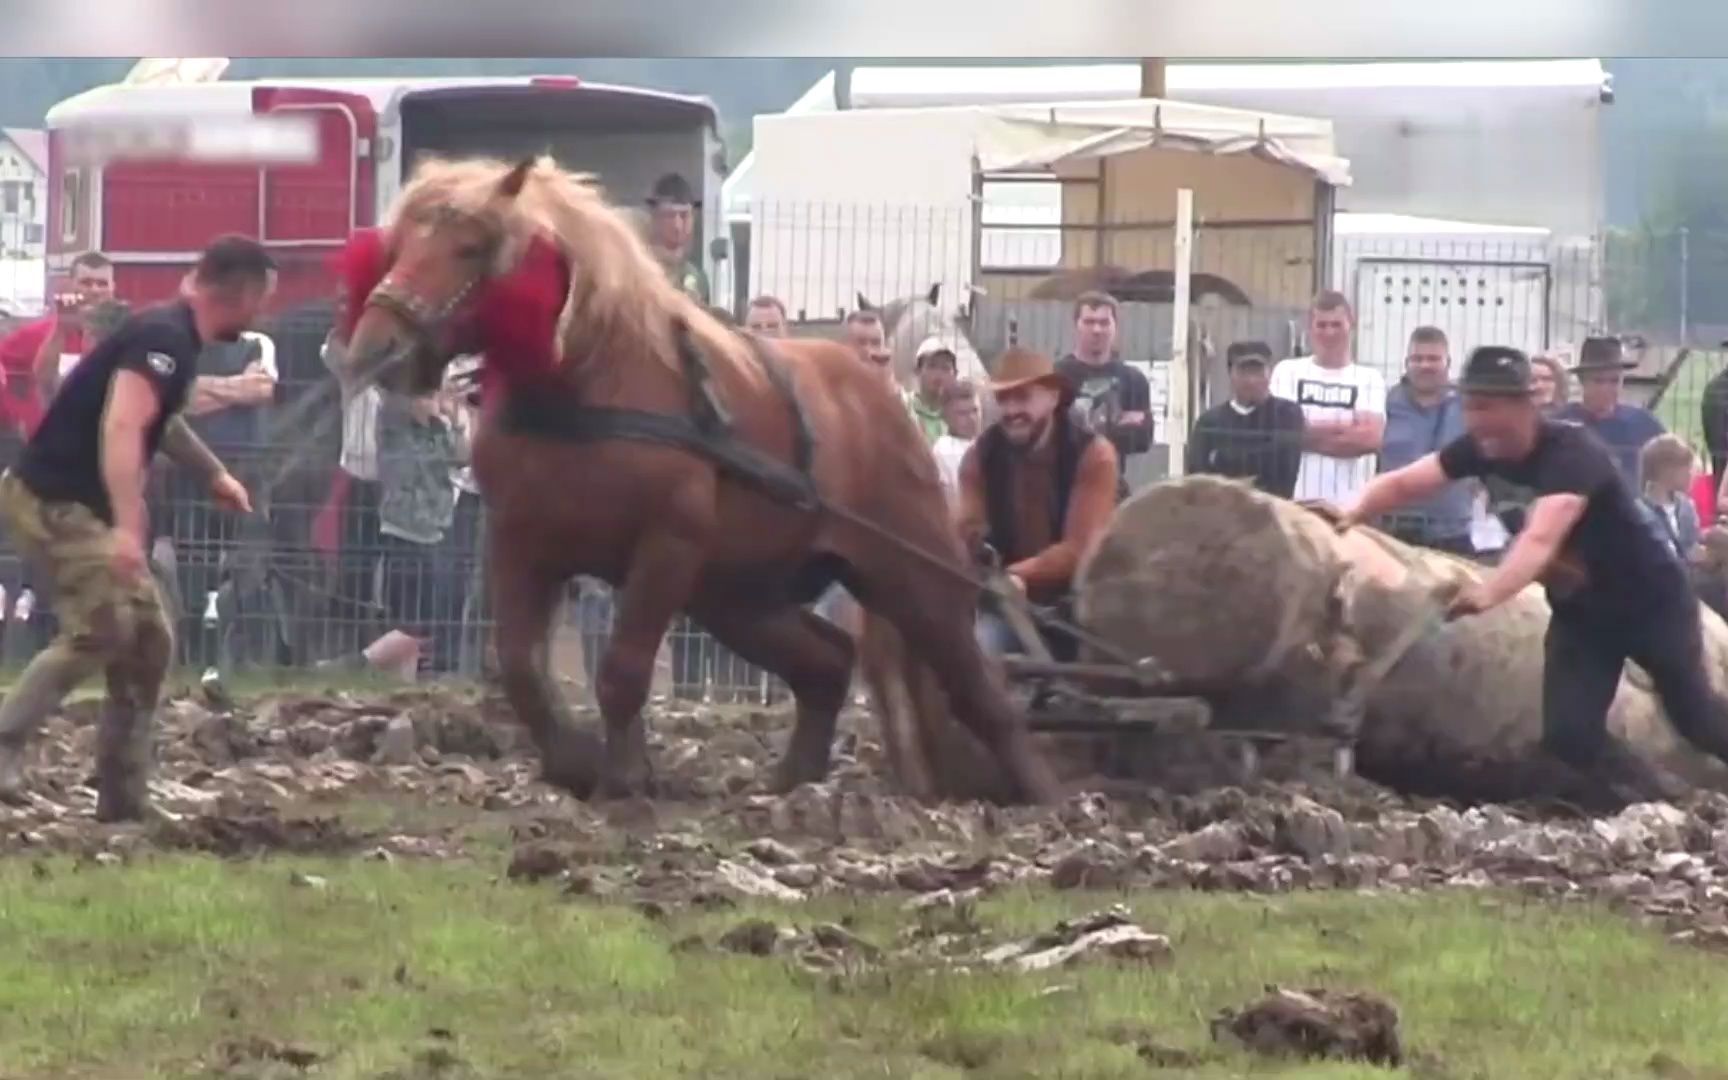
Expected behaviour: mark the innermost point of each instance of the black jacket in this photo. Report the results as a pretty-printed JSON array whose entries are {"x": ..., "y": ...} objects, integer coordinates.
[{"x": 1264, "y": 445}]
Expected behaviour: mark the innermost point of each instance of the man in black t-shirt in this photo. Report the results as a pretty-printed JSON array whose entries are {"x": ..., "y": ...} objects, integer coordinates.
[
  {"x": 1115, "y": 399},
  {"x": 74, "y": 504},
  {"x": 1617, "y": 590}
]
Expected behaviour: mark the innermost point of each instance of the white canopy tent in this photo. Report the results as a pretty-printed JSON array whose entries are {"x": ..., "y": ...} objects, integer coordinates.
[{"x": 1017, "y": 138}]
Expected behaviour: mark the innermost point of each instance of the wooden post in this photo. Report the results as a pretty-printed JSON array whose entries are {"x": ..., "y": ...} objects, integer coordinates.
[
  {"x": 1151, "y": 77},
  {"x": 1177, "y": 386}
]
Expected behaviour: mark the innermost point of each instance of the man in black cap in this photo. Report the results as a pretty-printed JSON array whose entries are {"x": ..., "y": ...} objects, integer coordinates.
[
  {"x": 1618, "y": 592},
  {"x": 672, "y": 209},
  {"x": 1254, "y": 435},
  {"x": 1624, "y": 428}
]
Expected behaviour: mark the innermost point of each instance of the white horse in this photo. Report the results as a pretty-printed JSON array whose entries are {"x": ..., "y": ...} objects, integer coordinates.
[{"x": 908, "y": 321}]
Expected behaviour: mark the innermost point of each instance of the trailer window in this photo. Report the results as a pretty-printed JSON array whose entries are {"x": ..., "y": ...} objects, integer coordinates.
[
  {"x": 1021, "y": 223},
  {"x": 71, "y": 205}
]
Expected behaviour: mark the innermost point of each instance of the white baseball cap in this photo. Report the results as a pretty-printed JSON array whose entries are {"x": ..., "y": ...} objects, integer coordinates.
[{"x": 933, "y": 345}]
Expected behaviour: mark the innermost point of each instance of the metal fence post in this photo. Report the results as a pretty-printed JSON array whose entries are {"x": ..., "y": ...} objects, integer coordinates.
[{"x": 1685, "y": 283}]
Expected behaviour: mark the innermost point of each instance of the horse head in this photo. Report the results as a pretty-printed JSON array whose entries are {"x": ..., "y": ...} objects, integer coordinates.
[
  {"x": 909, "y": 320},
  {"x": 456, "y": 272}
]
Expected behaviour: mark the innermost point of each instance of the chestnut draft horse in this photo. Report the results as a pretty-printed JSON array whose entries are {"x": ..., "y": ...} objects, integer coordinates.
[{"x": 627, "y": 435}]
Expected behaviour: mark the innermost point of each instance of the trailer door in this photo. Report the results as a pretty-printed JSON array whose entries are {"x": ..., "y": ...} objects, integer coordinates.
[
  {"x": 1475, "y": 303},
  {"x": 320, "y": 203}
]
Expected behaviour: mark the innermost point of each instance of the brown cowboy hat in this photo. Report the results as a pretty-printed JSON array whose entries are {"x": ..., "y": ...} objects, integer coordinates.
[{"x": 1019, "y": 366}]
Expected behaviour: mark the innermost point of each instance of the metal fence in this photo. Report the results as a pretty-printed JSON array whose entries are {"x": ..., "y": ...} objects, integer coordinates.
[{"x": 311, "y": 578}]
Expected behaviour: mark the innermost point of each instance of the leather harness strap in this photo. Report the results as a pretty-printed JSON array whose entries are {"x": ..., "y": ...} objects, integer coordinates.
[{"x": 706, "y": 431}]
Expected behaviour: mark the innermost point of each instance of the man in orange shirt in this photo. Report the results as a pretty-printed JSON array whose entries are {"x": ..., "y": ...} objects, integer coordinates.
[{"x": 1036, "y": 488}]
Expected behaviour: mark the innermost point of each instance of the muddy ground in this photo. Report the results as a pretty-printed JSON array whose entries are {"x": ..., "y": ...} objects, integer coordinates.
[{"x": 442, "y": 773}]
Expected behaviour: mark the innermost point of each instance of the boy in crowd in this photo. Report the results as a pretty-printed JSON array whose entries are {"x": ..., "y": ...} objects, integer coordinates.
[
  {"x": 419, "y": 444},
  {"x": 1665, "y": 471}
]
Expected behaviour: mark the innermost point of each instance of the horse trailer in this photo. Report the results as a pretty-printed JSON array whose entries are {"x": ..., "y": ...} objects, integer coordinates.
[{"x": 148, "y": 173}]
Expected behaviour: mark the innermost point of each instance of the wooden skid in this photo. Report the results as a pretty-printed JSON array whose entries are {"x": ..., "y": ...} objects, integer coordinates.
[
  {"x": 1118, "y": 715},
  {"x": 1064, "y": 710}
]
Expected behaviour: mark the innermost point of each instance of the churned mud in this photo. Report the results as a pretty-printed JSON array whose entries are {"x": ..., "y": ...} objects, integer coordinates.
[{"x": 442, "y": 773}]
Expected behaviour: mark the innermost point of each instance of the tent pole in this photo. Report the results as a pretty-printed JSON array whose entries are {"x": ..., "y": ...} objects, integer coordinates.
[{"x": 1151, "y": 77}]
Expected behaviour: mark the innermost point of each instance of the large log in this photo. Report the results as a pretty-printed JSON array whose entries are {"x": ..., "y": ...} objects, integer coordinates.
[{"x": 1281, "y": 618}]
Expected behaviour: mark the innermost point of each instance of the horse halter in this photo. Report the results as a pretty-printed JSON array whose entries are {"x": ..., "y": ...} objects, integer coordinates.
[{"x": 424, "y": 319}]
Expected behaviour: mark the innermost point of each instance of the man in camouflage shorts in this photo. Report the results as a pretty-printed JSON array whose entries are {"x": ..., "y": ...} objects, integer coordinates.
[{"x": 74, "y": 505}]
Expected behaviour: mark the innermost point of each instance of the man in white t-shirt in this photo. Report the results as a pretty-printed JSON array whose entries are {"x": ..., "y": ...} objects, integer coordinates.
[{"x": 1343, "y": 402}]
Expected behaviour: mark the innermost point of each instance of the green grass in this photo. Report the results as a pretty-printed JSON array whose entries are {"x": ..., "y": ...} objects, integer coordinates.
[
  {"x": 140, "y": 972},
  {"x": 1678, "y": 409}
]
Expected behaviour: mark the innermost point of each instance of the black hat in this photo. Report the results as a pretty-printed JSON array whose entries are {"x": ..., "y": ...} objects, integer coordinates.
[
  {"x": 673, "y": 188},
  {"x": 1498, "y": 370},
  {"x": 1248, "y": 352},
  {"x": 1601, "y": 354}
]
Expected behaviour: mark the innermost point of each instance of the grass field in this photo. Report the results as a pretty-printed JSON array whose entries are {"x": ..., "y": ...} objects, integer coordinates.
[
  {"x": 1678, "y": 409},
  {"x": 421, "y": 970}
]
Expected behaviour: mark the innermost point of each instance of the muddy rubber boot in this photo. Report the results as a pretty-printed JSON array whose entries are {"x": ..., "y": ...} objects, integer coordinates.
[{"x": 124, "y": 759}]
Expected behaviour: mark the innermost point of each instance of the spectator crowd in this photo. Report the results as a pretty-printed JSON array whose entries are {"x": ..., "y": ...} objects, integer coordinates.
[{"x": 1320, "y": 427}]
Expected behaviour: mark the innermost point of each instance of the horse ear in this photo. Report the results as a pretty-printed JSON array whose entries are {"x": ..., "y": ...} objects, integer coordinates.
[
  {"x": 864, "y": 304},
  {"x": 935, "y": 292},
  {"x": 511, "y": 185}
]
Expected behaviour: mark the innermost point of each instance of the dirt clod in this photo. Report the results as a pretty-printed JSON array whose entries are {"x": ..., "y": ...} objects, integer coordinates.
[
  {"x": 1316, "y": 1023},
  {"x": 1111, "y": 934},
  {"x": 753, "y": 937},
  {"x": 1167, "y": 1057},
  {"x": 539, "y": 860},
  {"x": 258, "y": 831},
  {"x": 259, "y": 1057}
]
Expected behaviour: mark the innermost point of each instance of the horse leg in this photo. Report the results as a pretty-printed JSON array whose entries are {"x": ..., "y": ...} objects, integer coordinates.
[
  {"x": 663, "y": 571},
  {"x": 814, "y": 658},
  {"x": 524, "y": 602},
  {"x": 935, "y": 619}
]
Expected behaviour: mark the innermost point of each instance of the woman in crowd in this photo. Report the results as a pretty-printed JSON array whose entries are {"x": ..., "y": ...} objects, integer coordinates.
[{"x": 1549, "y": 383}]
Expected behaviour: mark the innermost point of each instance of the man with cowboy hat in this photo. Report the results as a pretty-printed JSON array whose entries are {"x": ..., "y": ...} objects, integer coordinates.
[
  {"x": 1616, "y": 588},
  {"x": 1625, "y": 428},
  {"x": 1035, "y": 488},
  {"x": 671, "y": 219}
]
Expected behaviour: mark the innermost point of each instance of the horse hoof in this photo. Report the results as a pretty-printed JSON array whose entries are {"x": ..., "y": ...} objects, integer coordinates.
[
  {"x": 579, "y": 783},
  {"x": 1037, "y": 786},
  {"x": 567, "y": 761},
  {"x": 791, "y": 773},
  {"x": 625, "y": 789}
]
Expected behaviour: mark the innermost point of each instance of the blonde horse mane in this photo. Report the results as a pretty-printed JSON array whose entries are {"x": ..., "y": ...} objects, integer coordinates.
[{"x": 619, "y": 295}]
